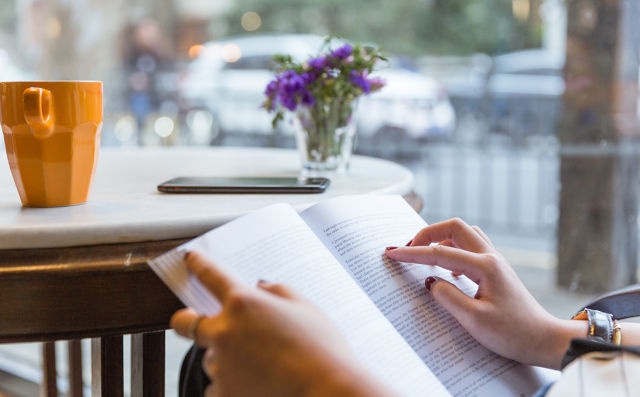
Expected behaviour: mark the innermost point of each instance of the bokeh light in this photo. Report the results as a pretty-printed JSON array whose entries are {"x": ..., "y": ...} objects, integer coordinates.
[
  {"x": 231, "y": 52},
  {"x": 250, "y": 21},
  {"x": 53, "y": 28},
  {"x": 125, "y": 128},
  {"x": 163, "y": 126},
  {"x": 195, "y": 50}
]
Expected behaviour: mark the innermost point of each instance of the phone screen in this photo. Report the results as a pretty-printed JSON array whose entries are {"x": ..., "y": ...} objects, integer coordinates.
[{"x": 244, "y": 185}]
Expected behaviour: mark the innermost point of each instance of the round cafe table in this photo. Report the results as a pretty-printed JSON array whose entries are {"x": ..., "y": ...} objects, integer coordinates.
[{"x": 81, "y": 271}]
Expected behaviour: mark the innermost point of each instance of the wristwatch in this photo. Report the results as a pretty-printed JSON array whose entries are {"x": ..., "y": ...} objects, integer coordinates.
[{"x": 602, "y": 326}]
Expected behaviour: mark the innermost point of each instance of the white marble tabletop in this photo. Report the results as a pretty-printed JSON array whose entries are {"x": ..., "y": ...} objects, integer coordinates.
[{"x": 124, "y": 205}]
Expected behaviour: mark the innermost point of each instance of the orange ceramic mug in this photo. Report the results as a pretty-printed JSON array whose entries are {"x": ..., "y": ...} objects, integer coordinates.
[{"x": 52, "y": 135}]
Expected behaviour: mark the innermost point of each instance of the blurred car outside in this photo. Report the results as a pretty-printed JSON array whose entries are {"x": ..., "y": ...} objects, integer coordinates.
[
  {"x": 465, "y": 80},
  {"x": 463, "y": 76},
  {"x": 525, "y": 91},
  {"x": 222, "y": 89},
  {"x": 515, "y": 96}
]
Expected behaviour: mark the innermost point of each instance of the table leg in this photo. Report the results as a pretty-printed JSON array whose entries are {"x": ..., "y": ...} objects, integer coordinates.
[
  {"x": 147, "y": 364},
  {"x": 49, "y": 380},
  {"x": 106, "y": 366},
  {"x": 75, "y": 368}
]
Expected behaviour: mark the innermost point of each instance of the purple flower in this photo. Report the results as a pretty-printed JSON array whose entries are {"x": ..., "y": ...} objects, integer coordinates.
[
  {"x": 377, "y": 83},
  {"x": 329, "y": 76},
  {"x": 271, "y": 89},
  {"x": 291, "y": 82},
  {"x": 308, "y": 78},
  {"x": 291, "y": 87},
  {"x": 318, "y": 63},
  {"x": 288, "y": 100},
  {"x": 343, "y": 52},
  {"x": 360, "y": 80},
  {"x": 307, "y": 98}
]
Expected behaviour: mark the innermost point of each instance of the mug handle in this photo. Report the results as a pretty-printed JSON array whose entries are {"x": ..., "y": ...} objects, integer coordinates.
[{"x": 38, "y": 111}]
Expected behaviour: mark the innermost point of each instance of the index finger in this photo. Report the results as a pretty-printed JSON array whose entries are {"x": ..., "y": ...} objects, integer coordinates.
[
  {"x": 457, "y": 231},
  {"x": 464, "y": 262},
  {"x": 216, "y": 280}
]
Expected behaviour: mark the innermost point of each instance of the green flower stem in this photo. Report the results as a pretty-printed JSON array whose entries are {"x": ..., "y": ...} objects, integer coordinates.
[{"x": 321, "y": 124}]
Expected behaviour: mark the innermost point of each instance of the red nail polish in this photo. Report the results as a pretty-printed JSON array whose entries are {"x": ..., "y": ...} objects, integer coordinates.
[
  {"x": 429, "y": 282},
  {"x": 390, "y": 248},
  {"x": 409, "y": 243}
]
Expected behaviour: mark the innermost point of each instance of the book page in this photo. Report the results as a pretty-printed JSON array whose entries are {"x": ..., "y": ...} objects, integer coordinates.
[
  {"x": 357, "y": 229},
  {"x": 274, "y": 244}
]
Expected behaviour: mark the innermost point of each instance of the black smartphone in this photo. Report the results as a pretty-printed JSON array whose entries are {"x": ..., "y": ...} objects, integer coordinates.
[{"x": 244, "y": 185}]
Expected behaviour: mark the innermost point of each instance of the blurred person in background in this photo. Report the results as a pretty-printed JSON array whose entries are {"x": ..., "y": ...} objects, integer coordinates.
[{"x": 147, "y": 57}]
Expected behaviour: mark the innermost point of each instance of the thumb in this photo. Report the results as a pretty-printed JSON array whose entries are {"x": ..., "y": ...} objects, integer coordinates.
[{"x": 459, "y": 304}]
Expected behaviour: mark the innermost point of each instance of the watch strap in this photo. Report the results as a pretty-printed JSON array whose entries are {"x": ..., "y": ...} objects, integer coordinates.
[{"x": 601, "y": 325}]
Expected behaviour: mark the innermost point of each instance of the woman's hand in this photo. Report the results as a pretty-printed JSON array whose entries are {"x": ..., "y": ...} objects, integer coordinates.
[
  {"x": 503, "y": 316},
  {"x": 269, "y": 341}
]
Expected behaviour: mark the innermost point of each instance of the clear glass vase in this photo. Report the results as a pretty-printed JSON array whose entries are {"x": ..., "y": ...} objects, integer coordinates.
[{"x": 325, "y": 134}]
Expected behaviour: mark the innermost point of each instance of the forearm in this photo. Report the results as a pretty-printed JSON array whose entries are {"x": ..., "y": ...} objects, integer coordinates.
[{"x": 630, "y": 333}]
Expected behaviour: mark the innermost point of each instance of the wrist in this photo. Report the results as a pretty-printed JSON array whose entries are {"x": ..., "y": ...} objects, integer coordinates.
[{"x": 561, "y": 333}]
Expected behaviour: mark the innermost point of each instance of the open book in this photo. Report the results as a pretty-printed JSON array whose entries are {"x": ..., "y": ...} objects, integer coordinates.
[{"x": 333, "y": 253}]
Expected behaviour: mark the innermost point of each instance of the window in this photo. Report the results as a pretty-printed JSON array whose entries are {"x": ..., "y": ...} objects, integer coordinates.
[
  {"x": 489, "y": 89},
  {"x": 520, "y": 116}
]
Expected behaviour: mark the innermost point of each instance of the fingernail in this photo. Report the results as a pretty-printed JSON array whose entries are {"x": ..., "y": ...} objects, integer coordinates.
[
  {"x": 186, "y": 255},
  {"x": 429, "y": 283},
  {"x": 409, "y": 243},
  {"x": 261, "y": 281},
  {"x": 390, "y": 248}
]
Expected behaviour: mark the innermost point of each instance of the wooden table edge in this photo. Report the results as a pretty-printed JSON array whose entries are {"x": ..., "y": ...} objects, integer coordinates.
[{"x": 59, "y": 294}]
